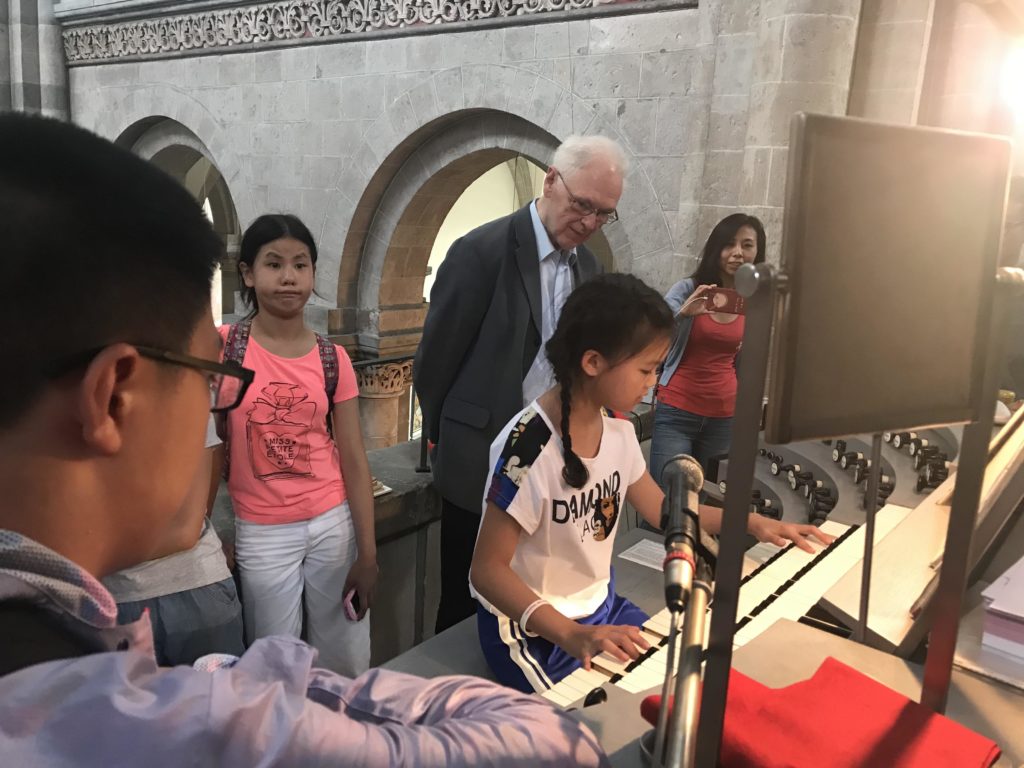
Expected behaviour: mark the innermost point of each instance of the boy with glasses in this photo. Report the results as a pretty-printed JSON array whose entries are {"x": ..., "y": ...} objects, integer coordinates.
[{"x": 102, "y": 414}]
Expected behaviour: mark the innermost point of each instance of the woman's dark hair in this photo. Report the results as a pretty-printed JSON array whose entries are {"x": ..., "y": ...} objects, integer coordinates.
[
  {"x": 617, "y": 315},
  {"x": 709, "y": 271},
  {"x": 266, "y": 229}
]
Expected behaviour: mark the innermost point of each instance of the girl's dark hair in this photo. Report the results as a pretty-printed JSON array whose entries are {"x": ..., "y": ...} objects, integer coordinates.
[
  {"x": 709, "y": 271},
  {"x": 617, "y": 315},
  {"x": 266, "y": 229}
]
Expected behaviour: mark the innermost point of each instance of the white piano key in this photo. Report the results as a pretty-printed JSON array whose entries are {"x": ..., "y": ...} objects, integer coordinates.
[
  {"x": 610, "y": 664},
  {"x": 557, "y": 696},
  {"x": 659, "y": 623},
  {"x": 572, "y": 689},
  {"x": 756, "y": 591},
  {"x": 788, "y": 606},
  {"x": 592, "y": 677},
  {"x": 651, "y": 637},
  {"x": 804, "y": 594}
]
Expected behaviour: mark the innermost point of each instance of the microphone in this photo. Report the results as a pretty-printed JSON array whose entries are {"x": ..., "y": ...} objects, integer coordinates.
[{"x": 683, "y": 478}]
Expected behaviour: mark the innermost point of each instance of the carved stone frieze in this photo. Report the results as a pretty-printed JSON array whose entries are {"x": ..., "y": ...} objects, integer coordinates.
[
  {"x": 296, "y": 20},
  {"x": 385, "y": 379}
]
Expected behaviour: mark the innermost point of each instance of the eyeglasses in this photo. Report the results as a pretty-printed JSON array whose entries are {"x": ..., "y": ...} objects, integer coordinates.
[
  {"x": 228, "y": 380},
  {"x": 584, "y": 209}
]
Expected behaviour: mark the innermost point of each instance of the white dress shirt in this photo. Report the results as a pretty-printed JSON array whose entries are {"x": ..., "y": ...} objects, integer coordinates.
[{"x": 555, "y": 286}]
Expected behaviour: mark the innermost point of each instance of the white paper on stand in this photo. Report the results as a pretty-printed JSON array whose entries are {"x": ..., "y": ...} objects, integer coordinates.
[{"x": 645, "y": 552}]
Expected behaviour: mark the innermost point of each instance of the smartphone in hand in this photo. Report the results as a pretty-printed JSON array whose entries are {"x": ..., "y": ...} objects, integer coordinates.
[
  {"x": 351, "y": 605},
  {"x": 725, "y": 300}
]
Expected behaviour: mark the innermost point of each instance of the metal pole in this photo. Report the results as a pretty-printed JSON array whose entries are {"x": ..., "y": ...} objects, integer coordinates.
[
  {"x": 661, "y": 731},
  {"x": 757, "y": 282},
  {"x": 871, "y": 506},
  {"x": 682, "y": 740},
  {"x": 947, "y": 603}
]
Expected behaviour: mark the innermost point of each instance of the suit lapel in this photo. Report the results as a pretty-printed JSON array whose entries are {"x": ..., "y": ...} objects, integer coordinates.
[{"x": 528, "y": 262}]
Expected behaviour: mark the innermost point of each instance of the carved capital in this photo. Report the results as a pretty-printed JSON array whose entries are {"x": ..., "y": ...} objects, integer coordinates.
[{"x": 384, "y": 380}]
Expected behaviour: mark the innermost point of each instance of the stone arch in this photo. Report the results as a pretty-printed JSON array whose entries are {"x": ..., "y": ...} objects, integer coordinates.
[
  {"x": 432, "y": 140},
  {"x": 393, "y": 252},
  {"x": 175, "y": 149},
  {"x": 137, "y": 112}
]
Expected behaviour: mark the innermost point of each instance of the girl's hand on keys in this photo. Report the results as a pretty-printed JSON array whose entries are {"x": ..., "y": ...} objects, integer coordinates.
[{"x": 624, "y": 642}]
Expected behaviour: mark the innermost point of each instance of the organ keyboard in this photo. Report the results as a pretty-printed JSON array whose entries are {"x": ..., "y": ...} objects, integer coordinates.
[{"x": 786, "y": 586}]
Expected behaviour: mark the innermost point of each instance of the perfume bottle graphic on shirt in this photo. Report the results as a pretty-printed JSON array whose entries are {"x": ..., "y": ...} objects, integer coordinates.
[{"x": 278, "y": 432}]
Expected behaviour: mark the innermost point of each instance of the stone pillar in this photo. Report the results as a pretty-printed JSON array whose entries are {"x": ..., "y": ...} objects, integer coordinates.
[
  {"x": 380, "y": 389},
  {"x": 5, "y": 56},
  {"x": 33, "y": 65},
  {"x": 892, "y": 50},
  {"x": 53, "y": 73},
  {"x": 229, "y": 272},
  {"x": 803, "y": 61},
  {"x": 23, "y": 24}
]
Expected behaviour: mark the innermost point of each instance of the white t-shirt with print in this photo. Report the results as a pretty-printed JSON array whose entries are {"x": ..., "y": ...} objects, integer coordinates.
[{"x": 564, "y": 552}]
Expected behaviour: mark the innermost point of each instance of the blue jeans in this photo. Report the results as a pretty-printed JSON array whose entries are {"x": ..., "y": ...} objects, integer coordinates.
[
  {"x": 193, "y": 623},
  {"x": 676, "y": 431}
]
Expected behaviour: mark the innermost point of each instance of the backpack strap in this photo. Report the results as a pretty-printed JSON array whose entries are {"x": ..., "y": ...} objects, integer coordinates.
[
  {"x": 329, "y": 361},
  {"x": 238, "y": 340},
  {"x": 234, "y": 349}
]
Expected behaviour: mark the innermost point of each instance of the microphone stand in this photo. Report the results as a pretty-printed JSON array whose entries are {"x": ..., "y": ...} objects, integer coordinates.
[
  {"x": 687, "y": 596},
  {"x": 675, "y": 738},
  {"x": 682, "y": 730}
]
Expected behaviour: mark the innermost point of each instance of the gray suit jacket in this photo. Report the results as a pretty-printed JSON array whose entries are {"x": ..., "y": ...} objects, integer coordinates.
[{"x": 480, "y": 337}]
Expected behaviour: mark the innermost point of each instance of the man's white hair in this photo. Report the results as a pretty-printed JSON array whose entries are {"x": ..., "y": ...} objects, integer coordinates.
[{"x": 577, "y": 152}]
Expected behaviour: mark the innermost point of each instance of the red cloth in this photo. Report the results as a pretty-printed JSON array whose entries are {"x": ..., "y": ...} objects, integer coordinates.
[
  {"x": 705, "y": 381},
  {"x": 839, "y": 718}
]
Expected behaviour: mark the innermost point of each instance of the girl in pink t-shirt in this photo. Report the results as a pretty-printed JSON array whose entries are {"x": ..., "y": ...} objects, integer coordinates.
[{"x": 303, "y": 499}]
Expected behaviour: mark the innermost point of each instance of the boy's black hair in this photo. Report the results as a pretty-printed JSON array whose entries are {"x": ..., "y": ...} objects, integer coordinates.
[
  {"x": 99, "y": 247},
  {"x": 615, "y": 314},
  {"x": 266, "y": 229},
  {"x": 709, "y": 270}
]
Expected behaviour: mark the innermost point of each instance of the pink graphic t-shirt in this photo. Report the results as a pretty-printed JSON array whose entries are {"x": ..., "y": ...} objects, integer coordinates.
[{"x": 284, "y": 464}]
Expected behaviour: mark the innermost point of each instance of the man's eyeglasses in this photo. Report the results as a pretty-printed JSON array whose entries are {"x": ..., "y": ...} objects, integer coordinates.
[
  {"x": 584, "y": 209},
  {"x": 228, "y": 380}
]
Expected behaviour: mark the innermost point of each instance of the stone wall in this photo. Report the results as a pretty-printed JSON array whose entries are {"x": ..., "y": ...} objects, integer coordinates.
[
  {"x": 371, "y": 140},
  {"x": 323, "y": 130}
]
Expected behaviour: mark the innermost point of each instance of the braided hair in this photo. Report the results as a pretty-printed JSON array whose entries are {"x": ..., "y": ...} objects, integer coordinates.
[{"x": 617, "y": 315}]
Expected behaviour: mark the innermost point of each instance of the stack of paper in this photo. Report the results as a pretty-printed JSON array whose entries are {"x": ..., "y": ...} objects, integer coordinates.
[{"x": 1004, "y": 612}]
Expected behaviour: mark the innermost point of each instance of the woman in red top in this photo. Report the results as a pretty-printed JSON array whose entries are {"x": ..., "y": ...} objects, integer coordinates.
[{"x": 697, "y": 386}]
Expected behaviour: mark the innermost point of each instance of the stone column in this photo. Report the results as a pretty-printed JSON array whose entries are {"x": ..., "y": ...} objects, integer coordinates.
[
  {"x": 229, "y": 271},
  {"x": 380, "y": 389},
  {"x": 803, "y": 61},
  {"x": 5, "y": 56},
  {"x": 53, "y": 72},
  {"x": 23, "y": 24},
  {"x": 33, "y": 59}
]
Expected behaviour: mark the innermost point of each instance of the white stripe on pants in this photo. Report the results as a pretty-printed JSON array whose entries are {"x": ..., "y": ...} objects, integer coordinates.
[{"x": 281, "y": 564}]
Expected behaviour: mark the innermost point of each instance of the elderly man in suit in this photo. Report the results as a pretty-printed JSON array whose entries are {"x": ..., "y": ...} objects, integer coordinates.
[{"x": 494, "y": 304}]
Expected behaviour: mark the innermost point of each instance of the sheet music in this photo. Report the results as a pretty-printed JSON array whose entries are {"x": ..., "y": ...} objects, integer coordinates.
[{"x": 645, "y": 552}]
